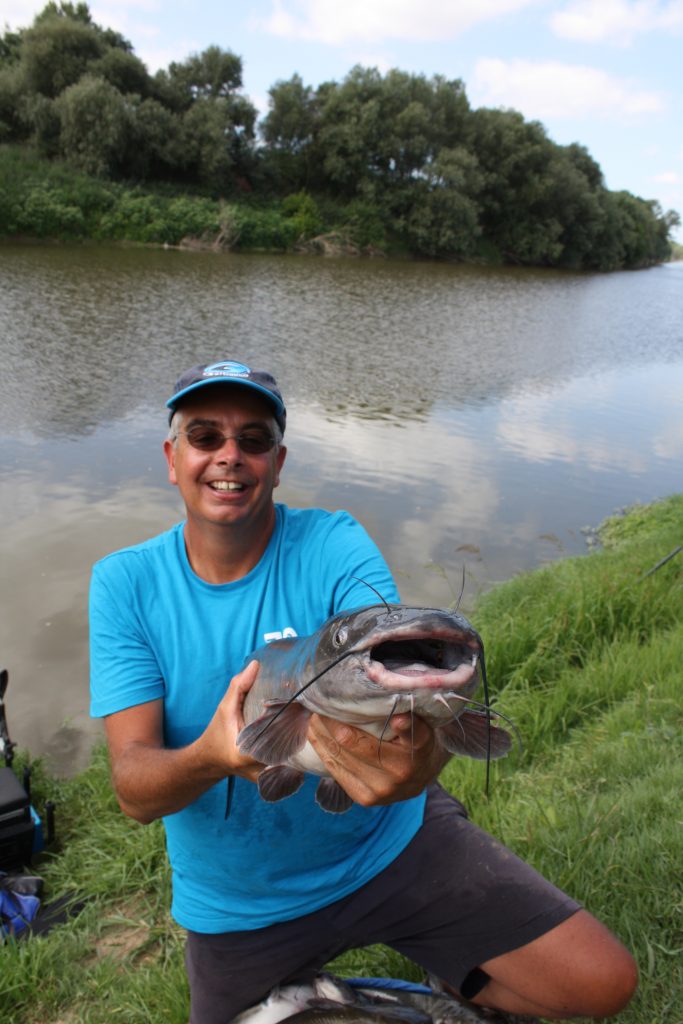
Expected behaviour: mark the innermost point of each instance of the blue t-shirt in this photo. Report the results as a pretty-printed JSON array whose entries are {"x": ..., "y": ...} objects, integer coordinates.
[{"x": 157, "y": 630}]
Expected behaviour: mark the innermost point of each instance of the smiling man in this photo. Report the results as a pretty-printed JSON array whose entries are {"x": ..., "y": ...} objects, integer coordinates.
[
  {"x": 232, "y": 492},
  {"x": 271, "y": 892}
]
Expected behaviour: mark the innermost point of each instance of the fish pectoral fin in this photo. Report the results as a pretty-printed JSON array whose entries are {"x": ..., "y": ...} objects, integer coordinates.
[
  {"x": 277, "y": 735},
  {"x": 331, "y": 797},
  {"x": 279, "y": 781},
  {"x": 468, "y": 735}
]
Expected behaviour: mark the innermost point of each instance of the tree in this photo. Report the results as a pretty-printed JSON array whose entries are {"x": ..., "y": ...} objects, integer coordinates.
[
  {"x": 157, "y": 148},
  {"x": 56, "y": 52},
  {"x": 645, "y": 230},
  {"x": 379, "y": 132},
  {"x": 80, "y": 12},
  {"x": 213, "y": 74},
  {"x": 41, "y": 115},
  {"x": 444, "y": 216},
  {"x": 123, "y": 70},
  {"x": 289, "y": 131},
  {"x": 95, "y": 125},
  {"x": 217, "y": 141},
  {"x": 12, "y": 88},
  {"x": 10, "y": 48},
  {"x": 515, "y": 158}
]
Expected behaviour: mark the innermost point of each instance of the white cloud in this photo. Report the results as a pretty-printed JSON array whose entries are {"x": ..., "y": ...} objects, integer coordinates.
[
  {"x": 332, "y": 22},
  {"x": 668, "y": 178},
  {"x": 551, "y": 89},
  {"x": 618, "y": 22},
  {"x": 542, "y": 432},
  {"x": 374, "y": 60},
  {"x": 121, "y": 15},
  {"x": 668, "y": 444},
  {"x": 112, "y": 13},
  {"x": 18, "y": 13}
]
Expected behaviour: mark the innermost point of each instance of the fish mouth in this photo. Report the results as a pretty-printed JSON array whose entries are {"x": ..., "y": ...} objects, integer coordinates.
[{"x": 424, "y": 663}]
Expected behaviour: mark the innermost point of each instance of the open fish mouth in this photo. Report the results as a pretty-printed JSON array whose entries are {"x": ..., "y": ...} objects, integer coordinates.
[{"x": 423, "y": 662}]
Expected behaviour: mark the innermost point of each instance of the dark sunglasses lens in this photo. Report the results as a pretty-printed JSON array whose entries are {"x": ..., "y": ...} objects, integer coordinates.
[
  {"x": 256, "y": 444},
  {"x": 207, "y": 439}
]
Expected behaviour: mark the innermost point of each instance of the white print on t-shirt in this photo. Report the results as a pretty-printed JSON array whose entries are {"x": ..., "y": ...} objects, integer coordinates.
[{"x": 277, "y": 635}]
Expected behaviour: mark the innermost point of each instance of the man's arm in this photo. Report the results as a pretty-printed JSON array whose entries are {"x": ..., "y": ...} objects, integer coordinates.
[{"x": 151, "y": 780}]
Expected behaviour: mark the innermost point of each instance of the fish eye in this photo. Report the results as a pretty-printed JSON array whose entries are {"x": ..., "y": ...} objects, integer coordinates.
[{"x": 340, "y": 637}]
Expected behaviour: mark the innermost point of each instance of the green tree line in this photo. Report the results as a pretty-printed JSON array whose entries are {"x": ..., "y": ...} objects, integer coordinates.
[{"x": 398, "y": 161}]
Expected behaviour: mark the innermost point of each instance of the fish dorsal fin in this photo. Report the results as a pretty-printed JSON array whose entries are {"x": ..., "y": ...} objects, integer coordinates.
[
  {"x": 277, "y": 735},
  {"x": 279, "y": 781},
  {"x": 468, "y": 735},
  {"x": 331, "y": 797}
]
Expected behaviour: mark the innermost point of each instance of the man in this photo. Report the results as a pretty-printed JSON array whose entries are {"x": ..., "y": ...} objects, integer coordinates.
[{"x": 273, "y": 891}]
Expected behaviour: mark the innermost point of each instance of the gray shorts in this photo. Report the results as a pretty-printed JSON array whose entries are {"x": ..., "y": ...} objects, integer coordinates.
[{"x": 453, "y": 899}]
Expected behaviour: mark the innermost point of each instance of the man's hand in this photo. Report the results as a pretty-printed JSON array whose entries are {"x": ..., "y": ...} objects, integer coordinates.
[
  {"x": 219, "y": 741},
  {"x": 378, "y": 773}
]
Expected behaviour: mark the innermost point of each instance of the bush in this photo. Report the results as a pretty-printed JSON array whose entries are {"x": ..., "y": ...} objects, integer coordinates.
[
  {"x": 8, "y": 213},
  {"x": 131, "y": 218},
  {"x": 364, "y": 225},
  {"x": 45, "y": 213},
  {"x": 190, "y": 217},
  {"x": 302, "y": 211},
  {"x": 264, "y": 229}
]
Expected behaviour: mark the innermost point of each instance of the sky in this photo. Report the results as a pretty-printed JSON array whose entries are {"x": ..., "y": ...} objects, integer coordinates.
[{"x": 604, "y": 73}]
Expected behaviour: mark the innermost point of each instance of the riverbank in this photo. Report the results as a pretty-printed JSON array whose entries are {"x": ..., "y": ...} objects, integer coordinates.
[
  {"x": 51, "y": 200},
  {"x": 584, "y": 655}
]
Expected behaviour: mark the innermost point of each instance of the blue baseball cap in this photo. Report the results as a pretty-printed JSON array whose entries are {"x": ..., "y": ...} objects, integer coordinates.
[{"x": 230, "y": 372}]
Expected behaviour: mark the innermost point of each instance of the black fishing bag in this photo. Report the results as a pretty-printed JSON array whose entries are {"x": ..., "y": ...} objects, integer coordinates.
[{"x": 17, "y": 828}]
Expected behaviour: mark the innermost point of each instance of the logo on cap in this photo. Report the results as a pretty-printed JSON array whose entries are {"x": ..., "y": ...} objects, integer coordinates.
[{"x": 227, "y": 369}]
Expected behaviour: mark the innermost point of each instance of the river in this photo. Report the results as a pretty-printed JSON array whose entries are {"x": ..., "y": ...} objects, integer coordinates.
[{"x": 471, "y": 418}]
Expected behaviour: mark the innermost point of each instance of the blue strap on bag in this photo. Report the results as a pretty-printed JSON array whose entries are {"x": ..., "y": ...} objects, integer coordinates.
[{"x": 16, "y": 912}]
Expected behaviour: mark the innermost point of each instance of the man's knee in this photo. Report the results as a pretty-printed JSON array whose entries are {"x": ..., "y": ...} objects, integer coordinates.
[
  {"x": 612, "y": 986},
  {"x": 604, "y": 968},
  {"x": 578, "y": 969}
]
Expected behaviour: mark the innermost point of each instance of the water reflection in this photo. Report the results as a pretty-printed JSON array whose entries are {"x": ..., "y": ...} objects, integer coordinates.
[
  {"x": 108, "y": 328},
  {"x": 470, "y": 418}
]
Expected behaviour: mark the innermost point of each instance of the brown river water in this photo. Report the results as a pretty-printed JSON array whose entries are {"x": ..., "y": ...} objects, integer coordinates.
[{"x": 470, "y": 418}]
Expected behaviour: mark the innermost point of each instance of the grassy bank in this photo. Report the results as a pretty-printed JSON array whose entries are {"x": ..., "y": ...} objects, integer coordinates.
[
  {"x": 586, "y": 656},
  {"x": 41, "y": 199}
]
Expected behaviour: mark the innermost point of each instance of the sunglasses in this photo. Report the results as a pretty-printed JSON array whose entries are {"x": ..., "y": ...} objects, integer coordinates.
[{"x": 209, "y": 439}]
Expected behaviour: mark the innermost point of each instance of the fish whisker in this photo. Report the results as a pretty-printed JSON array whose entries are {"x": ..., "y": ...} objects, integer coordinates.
[
  {"x": 382, "y": 599},
  {"x": 487, "y": 706},
  {"x": 386, "y": 726},
  {"x": 478, "y": 706},
  {"x": 301, "y": 689},
  {"x": 462, "y": 589}
]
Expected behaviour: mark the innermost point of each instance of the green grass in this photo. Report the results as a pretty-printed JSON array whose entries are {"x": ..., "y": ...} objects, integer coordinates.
[{"x": 586, "y": 657}]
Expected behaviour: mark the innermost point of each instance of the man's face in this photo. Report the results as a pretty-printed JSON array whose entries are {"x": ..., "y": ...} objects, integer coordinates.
[{"x": 226, "y": 486}]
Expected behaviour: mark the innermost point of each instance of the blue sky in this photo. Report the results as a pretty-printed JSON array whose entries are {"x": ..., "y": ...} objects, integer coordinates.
[{"x": 605, "y": 73}]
